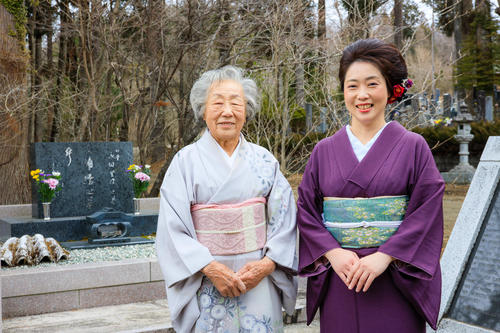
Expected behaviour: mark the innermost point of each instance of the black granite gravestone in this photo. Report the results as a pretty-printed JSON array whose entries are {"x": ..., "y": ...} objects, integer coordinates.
[
  {"x": 93, "y": 176},
  {"x": 477, "y": 300},
  {"x": 447, "y": 105}
]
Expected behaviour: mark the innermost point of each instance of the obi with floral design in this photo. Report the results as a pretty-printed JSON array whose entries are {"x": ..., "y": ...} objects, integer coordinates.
[
  {"x": 231, "y": 228},
  {"x": 363, "y": 222}
]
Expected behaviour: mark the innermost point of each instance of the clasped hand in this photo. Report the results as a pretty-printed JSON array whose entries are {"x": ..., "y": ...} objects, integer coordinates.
[
  {"x": 231, "y": 284},
  {"x": 355, "y": 272}
]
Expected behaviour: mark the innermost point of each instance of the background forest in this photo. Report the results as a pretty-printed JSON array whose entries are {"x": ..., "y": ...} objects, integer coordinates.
[{"x": 121, "y": 70}]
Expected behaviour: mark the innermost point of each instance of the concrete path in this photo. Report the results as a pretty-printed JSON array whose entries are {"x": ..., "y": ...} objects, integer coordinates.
[
  {"x": 127, "y": 318},
  {"x": 135, "y": 317}
]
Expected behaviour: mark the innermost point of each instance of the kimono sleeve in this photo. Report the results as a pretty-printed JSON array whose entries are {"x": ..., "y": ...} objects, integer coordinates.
[
  {"x": 282, "y": 229},
  {"x": 417, "y": 243},
  {"x": 314, "y": 239},
  {"x": 281, "y": 239},
  {"x": 180, "y": 255}
]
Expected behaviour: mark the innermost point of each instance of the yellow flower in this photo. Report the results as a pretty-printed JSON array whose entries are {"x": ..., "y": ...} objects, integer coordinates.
[
  {"x": 132, "y": 166},
  {"x": 35, "y": 177},
  {"x": 35, "y": 172}
]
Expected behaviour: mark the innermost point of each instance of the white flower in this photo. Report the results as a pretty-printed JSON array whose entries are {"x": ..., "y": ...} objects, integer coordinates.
[
  {"x": 55, "y": 173},
  {"x": 205, "y": 301},
  {"x": 247, "y": 322},
  {"x": 218, "y": 311},
  {"x": 259, "y": 328},
  {"x": 148, "y": 166}
]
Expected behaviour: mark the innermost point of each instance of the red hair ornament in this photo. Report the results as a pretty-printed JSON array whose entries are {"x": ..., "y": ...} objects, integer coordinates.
[{"x": 398, "y": 91}]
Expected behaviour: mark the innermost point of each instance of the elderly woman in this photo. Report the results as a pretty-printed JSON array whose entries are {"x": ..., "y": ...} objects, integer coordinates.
[{"x": 226, "y": 229}]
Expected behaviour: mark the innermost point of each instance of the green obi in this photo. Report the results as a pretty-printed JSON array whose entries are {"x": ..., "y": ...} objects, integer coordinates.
[{"x": 364, "y": 222}]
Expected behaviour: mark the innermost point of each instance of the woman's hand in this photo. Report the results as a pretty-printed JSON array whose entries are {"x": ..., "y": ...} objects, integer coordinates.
[
  {"x": 367, "y": 269},
  {"x": 342, "y": 262},
  {"x": 224, "y": 279},
  {"x": 253, "y": 272}
]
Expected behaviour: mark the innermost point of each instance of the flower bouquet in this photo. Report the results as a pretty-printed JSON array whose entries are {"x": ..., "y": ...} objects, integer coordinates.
[
  {"x": 47, "y": 183},
  {"x": 140, "y": 178}
]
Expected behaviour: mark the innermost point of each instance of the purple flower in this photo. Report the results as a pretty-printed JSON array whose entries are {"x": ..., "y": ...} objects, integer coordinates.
[{"x": 142, "y": 177}]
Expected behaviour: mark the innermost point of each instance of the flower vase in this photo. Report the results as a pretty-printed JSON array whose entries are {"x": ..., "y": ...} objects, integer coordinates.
[
  {"x": 46, "y": 210},
  {"x": 137, "y": 206}
]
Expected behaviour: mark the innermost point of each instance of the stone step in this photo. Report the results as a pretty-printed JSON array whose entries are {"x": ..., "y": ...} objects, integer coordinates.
[
  {"x": 152, "y": 316},
  {"x": 37, "y": 291}
]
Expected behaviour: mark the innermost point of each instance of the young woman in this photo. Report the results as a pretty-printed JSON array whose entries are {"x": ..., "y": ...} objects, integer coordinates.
[{"x": 370, "y": 209}]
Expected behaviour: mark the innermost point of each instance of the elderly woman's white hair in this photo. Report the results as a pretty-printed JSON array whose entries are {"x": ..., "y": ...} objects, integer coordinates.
[{"x": 199, "y": 92}]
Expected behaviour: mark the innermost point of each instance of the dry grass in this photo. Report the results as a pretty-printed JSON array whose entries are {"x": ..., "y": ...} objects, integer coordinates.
[{"x": 454, "y": 196}]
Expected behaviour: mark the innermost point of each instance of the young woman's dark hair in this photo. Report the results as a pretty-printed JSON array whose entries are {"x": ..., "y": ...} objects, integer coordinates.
[{"x": 386, "y": 57}]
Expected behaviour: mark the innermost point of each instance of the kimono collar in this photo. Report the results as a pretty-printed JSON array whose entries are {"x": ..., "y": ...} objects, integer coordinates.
[
  {"x": 362, "y": 173},
  {"x": 209, "y": 141}
]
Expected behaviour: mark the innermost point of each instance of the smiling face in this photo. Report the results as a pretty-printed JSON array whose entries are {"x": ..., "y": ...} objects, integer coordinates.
[
  {"x": 225, "y": 111},
  {"x": 365, "y": 94}
]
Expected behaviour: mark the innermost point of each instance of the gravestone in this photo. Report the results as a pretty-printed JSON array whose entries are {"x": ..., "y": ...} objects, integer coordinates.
[
  {"x": 424, "y": 103},
  {"x": 488, "y": 108},
  {"x": 447, "y": 105},
  {"x": 93, "y": 176},
  {"x": 322, "y": 116},
  {"x": 94, "y": 183},
  {"x": 480, "y": 105},
  {"x": 470, "y": 299},
  {"x": 309, "y": 116},
  {"x": 415, "y": 103}
]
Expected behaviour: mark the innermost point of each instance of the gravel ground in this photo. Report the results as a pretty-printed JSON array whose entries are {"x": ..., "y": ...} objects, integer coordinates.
[{"x": 101, "y": 254}]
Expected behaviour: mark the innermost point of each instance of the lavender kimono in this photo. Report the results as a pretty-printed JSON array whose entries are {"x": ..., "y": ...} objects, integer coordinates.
[
  {"x": 408, "y": 293},
  {"x": 199, "y": 174}
]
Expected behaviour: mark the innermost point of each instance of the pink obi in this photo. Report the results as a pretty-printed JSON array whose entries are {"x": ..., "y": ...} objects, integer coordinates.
[{"x": 233, "y": 228}]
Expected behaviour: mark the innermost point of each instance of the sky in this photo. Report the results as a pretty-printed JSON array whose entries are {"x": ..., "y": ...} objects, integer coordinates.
[{"x": 331, "y": 12}]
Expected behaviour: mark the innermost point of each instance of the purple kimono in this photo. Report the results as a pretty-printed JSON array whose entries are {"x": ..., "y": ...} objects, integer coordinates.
[{"x": 408, "y": 293}]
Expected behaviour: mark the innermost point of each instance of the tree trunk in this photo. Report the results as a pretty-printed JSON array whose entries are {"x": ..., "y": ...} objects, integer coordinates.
[
  {"x": 224, "y": 44},
  {"x": 398, "y": 24},
  {"x": 321, "y": 20},
  {"x": 61, "y": 66}
]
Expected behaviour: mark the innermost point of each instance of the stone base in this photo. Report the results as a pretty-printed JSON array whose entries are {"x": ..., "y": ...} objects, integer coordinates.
[
  {"x": 86, "y": 245},
  {"x": 461, "y": 174},
  {"x": 54, "y": 289},
  {"x": 65, "y": 229}
]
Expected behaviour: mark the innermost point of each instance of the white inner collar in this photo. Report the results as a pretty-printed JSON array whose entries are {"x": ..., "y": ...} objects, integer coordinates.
[
  {"x": 360, "y": 150},
  {"x": 229, "y": 159}
]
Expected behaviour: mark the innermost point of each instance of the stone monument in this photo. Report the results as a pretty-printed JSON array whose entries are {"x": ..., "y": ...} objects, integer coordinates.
[
  {"x": 470, "y": 299},
  {"x": 93, "y": 176},
  {"x": 488, "y": 108},
  {"x": 309, "y": 116},
  {"x": 463, "y": 172},
  {"x": 447, "y": 105},
  {"x": 95, "y": 206}
]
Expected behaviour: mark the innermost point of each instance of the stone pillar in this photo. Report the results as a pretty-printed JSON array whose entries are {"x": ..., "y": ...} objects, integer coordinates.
[
  {"x": 447, "y": 105},
  {"x": 488, "y": 108},
  {"x": 322, "y": 126},
  {"x": 309, "y": 116}
]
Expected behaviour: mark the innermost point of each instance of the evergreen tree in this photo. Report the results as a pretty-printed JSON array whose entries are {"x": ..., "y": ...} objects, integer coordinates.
[{"x": 480, "y": 64}]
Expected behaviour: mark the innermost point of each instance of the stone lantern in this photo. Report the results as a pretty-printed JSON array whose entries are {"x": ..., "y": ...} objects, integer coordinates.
[{"x": 463, "y": 172}]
